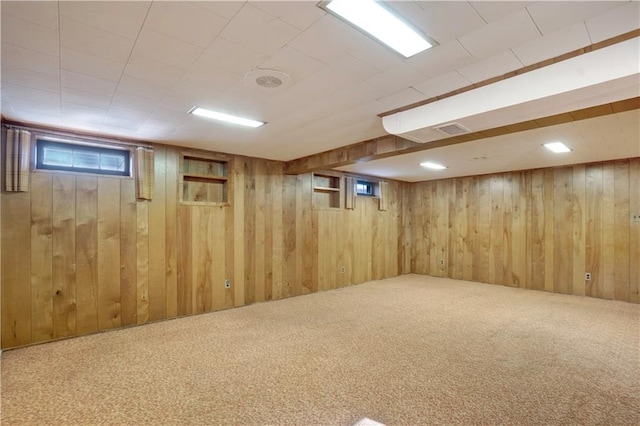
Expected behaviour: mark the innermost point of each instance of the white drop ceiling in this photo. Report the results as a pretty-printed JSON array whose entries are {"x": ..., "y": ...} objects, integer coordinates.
[{"x": 133, "y": 70}]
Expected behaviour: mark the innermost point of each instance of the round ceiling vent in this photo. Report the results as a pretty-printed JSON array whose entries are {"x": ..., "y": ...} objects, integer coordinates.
[{"x": 267, "y": 79}]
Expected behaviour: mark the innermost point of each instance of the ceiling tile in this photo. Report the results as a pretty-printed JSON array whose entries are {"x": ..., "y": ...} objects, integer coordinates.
[
  {"x": 295, "y": 63},
  {"x": 446, "y": 21},
  {"x": 441, "y": 59},
  {"x": 620, "y": 20},
  {"x": 493, "y": 10},
  {"x": 29, "y": 108},
  {"x": 129, "y": 113},
  {"x": 82, "y": 110},
  {"x": 500, "y": 35},
  {"x": 30, "y": 60},
  {"x": 16, "y": 92},
  {"x": 299, "y": 14},
  {"x": 442, "y": 84},
  {"x": 143, "y": 88},
  {"x": 122, "y": 18},
  {"x": 153, "y": 71},
  {"x": 378, "y": 56},
  {"x": 169, "y": 116},
  {"x": 87, "y": 83},
  {"x": 43, "y": 13},
  {"x": 551, "y": 16},
  {"x": 395, "y": 79},
  {"x": 259, "y": 31},
  {"x": 225, "y": 56},
  {"x": 554, "y": 44},
  {"x": 29, "y": 36},
  {"x": 123, "y": 125},
  {"x": 492, "y": 67},
  {"x": 23, "y": 77},
  {"x": 208, "y": 77},
  {"x": 39, "y": 118},
  {"x": 402, "y": 98},
  {"x": 128, "y": 100},
  {"x": 77, "y": 36},
  {"x": 83, "y": 63},
  {"x": 80, "y": 97},
  {"x": 329, "y": 38},
  {"x": 226, "y": 9},
  {"x": 185, "y": 22},
  {"x": 167, "y": 50}
]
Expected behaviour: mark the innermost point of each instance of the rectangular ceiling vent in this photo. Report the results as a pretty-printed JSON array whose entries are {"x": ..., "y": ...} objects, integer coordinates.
[{"x": 452, "y": 129}]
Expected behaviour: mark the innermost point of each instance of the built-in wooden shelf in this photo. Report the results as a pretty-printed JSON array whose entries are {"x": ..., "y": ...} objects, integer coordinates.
[
  {"x": 327, "y": 189},
  {"x": 203, "y": 180}
]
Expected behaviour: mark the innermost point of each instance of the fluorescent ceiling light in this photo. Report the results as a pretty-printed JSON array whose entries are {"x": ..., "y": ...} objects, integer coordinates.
[
  {"x": 225, "y": 117},
  {"x": 434, "y": 166},
  {"x": 374, "y": 19},
  {"x": 557, "y": 147}
]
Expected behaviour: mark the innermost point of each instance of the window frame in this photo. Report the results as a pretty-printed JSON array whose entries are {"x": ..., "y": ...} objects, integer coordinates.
[
  {"x": 41, "y": 142},
  {"x": 371, "y": 184}
]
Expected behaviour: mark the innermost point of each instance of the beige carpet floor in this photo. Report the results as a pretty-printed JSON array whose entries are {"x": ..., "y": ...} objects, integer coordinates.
[{"x": 411, "y": 350}]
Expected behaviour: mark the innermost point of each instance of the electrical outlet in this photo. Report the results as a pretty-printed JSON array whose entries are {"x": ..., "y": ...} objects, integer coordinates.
[
  {"x": 342, "y": 269},
  {"x": 587, "y": 276},
  {"x": 227, "y": 283},
  {"x": 635, "y": 217},
  {"x": 441, "y": 262}
]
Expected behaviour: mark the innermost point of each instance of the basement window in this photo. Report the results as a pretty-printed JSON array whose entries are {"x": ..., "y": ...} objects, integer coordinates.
[
  {"x": 366, "y": 188},
  {"x": 71, "y": 157}
]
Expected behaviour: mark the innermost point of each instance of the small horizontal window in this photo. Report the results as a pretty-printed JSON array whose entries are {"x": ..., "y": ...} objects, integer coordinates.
[
  {"x": 52, "y": 155},
  {"x": 366, "y": 188}
]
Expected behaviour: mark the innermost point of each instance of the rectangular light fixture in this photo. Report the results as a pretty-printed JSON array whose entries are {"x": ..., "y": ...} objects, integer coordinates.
[
  {"x": 433, "y": 166},
  {"x": 557, "y": 147},
  {"x": 225, "y": 117},
  {"x": 375, "y": 20}
]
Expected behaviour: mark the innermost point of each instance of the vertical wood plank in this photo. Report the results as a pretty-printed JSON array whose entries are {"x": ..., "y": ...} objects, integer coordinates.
[
  {"x": 308, "y": 272},
  {"x": 290, "y": 227},
  {"x": 608, "y": 231},
  {"x": 128, "y": 285},
  {"x": 594, "y": 239},
  {"x": 250, "y": 231},
  {"x": 549, "y": 252},
  {"x": 142, "y": 262},
  {"x": 507, "y": 230},
  {"x": 536, "y": 226},
  {"x": 218, "y": 264},
  {"x": 579, "y": 224},
  {"x": 634, "y": 234},
  {"x": 277, "y": 230},
  {"x": 171, "y": 229},
  {"x": 259, "y": 250},
  {"x": 184, "y": 256},
  {"x": 562, "y": 232},
  {"x": 470, "y": 189},
  {"x": 64, "y": 251},
  {"x": 87, "y": 254},
  {"x": 41, "y": 190},
  {"x": 16, "y": 289},
  {"x": 157, "y": 239},
  {"x": 238, "y": 224},
  {"x": 109, "y": 313},
  {"x": 519, "y": 230},
  {"x": 481, "y": 272},
  {"x": 496, "y": 247},
  {"x": 622, "y": 231}
]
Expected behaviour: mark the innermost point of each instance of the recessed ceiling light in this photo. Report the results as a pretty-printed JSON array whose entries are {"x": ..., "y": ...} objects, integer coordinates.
[
  {"x": 370, "y": 17},
  {"x": 225, "y": 117},
  {"x": 557, "y": 147},
  {"x": 434, "y": 166}
]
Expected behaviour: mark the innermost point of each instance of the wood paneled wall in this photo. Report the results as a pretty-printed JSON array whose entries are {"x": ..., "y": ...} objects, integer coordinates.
[
  {"x": 539, "y": 229},
  {"x": 80, "y": 254}
]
